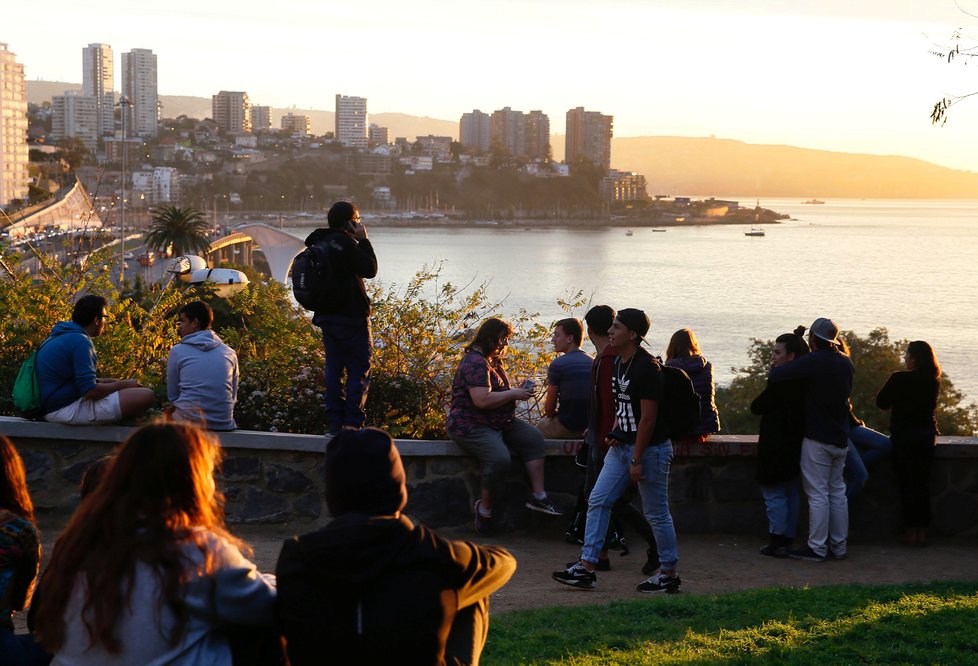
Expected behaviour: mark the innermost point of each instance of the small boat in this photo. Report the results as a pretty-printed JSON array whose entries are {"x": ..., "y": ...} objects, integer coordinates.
[
  {"x": 755, "y": 232},
  {"x": 813, "y": 202},
  {"x": 629, "y": 233},
  {"x": 659, "y": 230}
]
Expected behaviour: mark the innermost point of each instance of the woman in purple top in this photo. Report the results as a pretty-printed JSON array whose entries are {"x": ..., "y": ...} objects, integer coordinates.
[
  {"x": 911, "y": 397},
  {"x": 482, "y": 421},
  {"x": 684, "y": 353}
]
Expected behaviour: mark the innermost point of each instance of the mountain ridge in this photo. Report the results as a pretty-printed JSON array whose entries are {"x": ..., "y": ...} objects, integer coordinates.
[{"x": 679, "y": 166}]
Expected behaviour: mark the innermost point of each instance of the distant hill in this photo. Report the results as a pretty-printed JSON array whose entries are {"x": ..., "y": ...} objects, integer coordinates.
[
  {"x": 692, "y": 166},
  {"x": 678, "y": 165}
]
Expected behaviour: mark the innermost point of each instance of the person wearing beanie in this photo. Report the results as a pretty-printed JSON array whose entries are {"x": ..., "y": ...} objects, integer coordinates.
[
  {"x": 640, "y": 453},
  {"x": 372, "y": 587},
  {"x": 828, "y": 373},
  {"x": 344, "y": 318}
]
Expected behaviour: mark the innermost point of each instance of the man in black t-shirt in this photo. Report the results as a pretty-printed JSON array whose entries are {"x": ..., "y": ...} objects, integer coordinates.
[{"x": 640, "y": 452}]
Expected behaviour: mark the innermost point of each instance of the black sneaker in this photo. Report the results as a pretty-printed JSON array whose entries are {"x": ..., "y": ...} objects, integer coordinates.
[
  {"x": 806, "y": 553},
  {"x": 660, "y": 582},
  {"x": 483, "y": 524},
  {"x": 543, "y": 506},
  {"x": 576, "y": 576},
  {"x": 602, "y": 565},
  {"x": 838, "y": 556}
]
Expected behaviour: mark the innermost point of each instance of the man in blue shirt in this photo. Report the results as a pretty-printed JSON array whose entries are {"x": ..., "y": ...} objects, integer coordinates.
[
  {"x": 568, "y": 384},
  {"x": 71, "y": 392},
  {"x": 828, "y": 373}
]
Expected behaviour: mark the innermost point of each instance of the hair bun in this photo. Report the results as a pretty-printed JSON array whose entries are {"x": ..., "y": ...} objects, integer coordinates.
[{"x": 800, "y": 331}]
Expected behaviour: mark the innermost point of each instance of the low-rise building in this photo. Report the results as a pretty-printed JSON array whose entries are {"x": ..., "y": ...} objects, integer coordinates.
[{"x": 623, "y": 186}]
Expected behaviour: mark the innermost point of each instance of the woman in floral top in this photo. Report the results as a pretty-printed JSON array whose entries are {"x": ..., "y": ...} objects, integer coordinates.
[{"x": 482, "y": 421}]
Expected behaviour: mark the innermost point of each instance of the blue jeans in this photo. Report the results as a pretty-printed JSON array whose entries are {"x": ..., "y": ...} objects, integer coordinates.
[
  {"x": 654, "y": 490},
  {"x": 782, "y": 502},
  {"x": 348, "y": 344},
  {"x": 872, "y": 447}
]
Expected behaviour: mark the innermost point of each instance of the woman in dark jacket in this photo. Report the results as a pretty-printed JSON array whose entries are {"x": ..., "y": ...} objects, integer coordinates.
[
  {"x": 911, "y": 397},
  {"x": 782, "y": 409},
  {"x": 684, "y": 353}
]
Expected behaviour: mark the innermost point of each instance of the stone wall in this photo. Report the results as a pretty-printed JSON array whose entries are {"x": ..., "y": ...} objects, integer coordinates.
[{"x": 277, "y": 478}]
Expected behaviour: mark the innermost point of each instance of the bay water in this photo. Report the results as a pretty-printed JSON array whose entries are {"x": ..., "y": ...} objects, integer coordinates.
[{"x": 908, "y": 265}]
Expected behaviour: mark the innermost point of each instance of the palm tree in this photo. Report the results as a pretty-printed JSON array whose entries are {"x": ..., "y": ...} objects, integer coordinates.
[{"x": 183, "y": 228}]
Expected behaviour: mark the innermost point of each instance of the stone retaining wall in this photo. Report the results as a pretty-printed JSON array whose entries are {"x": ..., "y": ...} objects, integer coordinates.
[{"x": 277, "y": 478}]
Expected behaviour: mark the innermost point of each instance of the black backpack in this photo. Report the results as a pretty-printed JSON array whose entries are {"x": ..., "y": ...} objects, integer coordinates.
[
  {"x": 681, "y": 407},
  {"x": 314, "y": 283}
]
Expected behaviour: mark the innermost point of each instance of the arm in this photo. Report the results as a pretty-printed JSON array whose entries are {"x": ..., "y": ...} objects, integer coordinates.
[
  {"x": 172, "y": 377},
  {"x": 483, "y": 398},
  {"x": 646, "y": 425},
  {"x": 884, "y": 399},
  {"x": 104, "y": 388},
  {"x": 26, "y": 567},
  {"x": 766, "y": 402},
  {"x": 800, "y": 368},
  {"x": 485, "y": 570},
  {"x": 365, "y": 263},
  {"x": 550, "y": 402},
  {"x": 234, "y": 591}
]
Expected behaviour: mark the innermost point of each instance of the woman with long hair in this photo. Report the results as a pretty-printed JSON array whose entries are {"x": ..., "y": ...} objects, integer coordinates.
[
  {"x": 20, "y": 555},
  {"x": 146, "y": 572},
  {"x": 482, "y": 421},
  {"x": 781, "y": 407},
  {"x": 684, "y": 353},
  {"x": 911, "y": 397}
]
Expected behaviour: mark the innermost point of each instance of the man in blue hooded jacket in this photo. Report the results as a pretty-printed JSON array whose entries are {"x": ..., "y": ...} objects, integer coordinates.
[{"x": 71, "y": 391}]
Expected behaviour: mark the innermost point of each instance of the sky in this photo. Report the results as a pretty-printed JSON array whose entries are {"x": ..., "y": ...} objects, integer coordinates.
[{"x": 843, "y": 75}]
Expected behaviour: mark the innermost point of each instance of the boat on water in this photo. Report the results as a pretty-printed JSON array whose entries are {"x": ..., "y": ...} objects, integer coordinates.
[
  {"x": 755, "y": 232},
  {"x": 629, "y": 233},
  {"x": 657, "y": 230},
  {"x": 813, "y": 202}
]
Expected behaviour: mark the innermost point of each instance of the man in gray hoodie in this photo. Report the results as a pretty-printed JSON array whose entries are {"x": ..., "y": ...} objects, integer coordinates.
[{"x": 202, "y": 371}]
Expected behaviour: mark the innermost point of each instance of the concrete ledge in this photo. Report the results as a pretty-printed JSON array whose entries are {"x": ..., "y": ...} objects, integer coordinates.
[{"x": 717, "y": 446}]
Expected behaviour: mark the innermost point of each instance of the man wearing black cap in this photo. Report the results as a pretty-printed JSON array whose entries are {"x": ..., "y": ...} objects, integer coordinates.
[
  {"x": 640, "y": 452},
  {"x": 828, "y": 373},
  {"x": 373, "y": 588},
  {"x": 345, "y": 317}
]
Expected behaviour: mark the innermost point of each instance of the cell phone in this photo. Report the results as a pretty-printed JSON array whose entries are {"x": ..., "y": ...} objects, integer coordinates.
[{"x": 528, "y": 385}]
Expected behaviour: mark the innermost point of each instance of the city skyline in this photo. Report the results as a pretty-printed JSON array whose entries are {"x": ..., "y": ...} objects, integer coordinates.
[{"x": 816, "y": 74}]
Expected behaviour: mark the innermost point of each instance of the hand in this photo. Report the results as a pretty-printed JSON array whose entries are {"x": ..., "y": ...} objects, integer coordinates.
[
  {"x": 357, "y": 230},
  {"x": 520, "y": 394},
  {"x": 635, "y": 472}
]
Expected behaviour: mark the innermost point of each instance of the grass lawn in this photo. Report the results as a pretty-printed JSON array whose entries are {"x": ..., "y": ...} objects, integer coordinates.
[{"x": 824, "y": 626}]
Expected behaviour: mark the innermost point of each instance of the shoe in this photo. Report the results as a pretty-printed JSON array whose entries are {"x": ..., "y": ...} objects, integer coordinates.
[
  {"x": 582, "y": 455},
  {"x": 543, "y": 506},
  {"x": 651, "y": 563},
  {"x": 660, "y": 582},
  {"x": 602, "y": 565},
  {"x": 483, "y": 524},
  {"x": 837, "y": 556},
  {"x": 777, "y": 548},
  {"x": 806, "y": 553},
  {"x": 576, "y": 576}
]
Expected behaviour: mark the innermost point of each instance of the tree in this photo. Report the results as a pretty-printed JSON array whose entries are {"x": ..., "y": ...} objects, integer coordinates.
[
  {"x": 875, "y": 357},
  {"x": 959, "y": 46},
  {"x": 183, "y": 228}
]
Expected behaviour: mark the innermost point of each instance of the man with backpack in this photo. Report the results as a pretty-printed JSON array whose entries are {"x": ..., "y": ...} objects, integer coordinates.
[
  {"x": 70, "y": 390},
  {"x": 640, "y": 453},
  {"x": 342, "y": 311}
]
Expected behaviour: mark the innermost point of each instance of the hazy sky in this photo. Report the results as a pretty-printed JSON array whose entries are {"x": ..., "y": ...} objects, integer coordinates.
[{"x": 848, "y": 75}]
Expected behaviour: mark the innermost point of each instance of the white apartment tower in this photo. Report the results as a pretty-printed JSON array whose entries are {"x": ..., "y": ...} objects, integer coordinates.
[
  {"x": 261, "y": 118},
  {"x": 232, "y": 111},
  {"x": 13, "y": 129},
  {"x": 139, "y": 85},
  {"x": 75, "y": 115},
  {"x": 98, "y": 82},
  {"x": 474, "y": 130},
  {"x": 351, "y": 121}
]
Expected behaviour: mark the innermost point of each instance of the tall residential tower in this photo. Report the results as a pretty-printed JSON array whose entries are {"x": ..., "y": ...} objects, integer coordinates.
[
  {"x": 139, "y": 85},
  {"x": 13, "y": 129},
  {"x": 588, "y": 136},
  {"x": 98, "y": 82},
  {"x": 351, "y": 121},
  {"x": 231, "y": 111}
]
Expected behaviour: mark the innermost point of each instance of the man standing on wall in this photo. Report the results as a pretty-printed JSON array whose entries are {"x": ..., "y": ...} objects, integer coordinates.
[{"x": 345, "y": 320}]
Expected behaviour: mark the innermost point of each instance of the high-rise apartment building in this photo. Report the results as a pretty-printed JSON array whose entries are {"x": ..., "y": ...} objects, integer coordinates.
[
  {"x": 98, "y": 82},
  {"x": 378, "y": 136},
  {"x": 139, "y": 86},
  {"x": 261, "y": 118},
  {"x": 537, "y": 135},
  {"x": 13, "y": 129},
  {"x": 231, "y": 111},
  {"x": 588, "y": 136},
  {"x": 296, "y": 124},
  {"x": 351, "y": 121},
  {"x": 525, "y": 135},
  {"x": 474, "y": 131},
  {"x": 75, "y": 115}
]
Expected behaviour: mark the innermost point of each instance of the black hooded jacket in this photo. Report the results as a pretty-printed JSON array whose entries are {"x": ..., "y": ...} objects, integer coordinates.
[
  {"x": 378, "y": 589},
  {"x": 351, "y": 261}
]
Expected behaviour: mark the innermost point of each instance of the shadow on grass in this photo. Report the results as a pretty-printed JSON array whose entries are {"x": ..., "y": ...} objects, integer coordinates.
[{"x": 827, "y": 625}]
